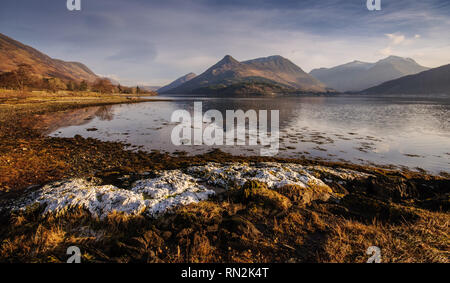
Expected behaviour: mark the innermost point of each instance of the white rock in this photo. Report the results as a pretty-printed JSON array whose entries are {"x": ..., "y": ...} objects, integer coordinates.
[
  {"x": 171, "y": 188},
  {"x": 273, "y": 174},
  {"x": 152, "y": 196}
]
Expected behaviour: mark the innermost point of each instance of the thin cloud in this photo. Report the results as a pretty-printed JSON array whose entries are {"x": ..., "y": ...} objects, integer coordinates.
[
  {"x": 396, "y": 39},
  {"x": 158, "y": 41}
]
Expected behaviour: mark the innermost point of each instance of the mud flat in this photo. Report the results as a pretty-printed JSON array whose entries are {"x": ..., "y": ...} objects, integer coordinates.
[{"x": 132, "y": 206}]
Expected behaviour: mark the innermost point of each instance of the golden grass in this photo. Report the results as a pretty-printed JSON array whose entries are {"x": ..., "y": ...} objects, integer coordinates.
[
  {"x": 226, "y": 231},
  {"x": 36, "y": 94},
  {"x": 426, "y": 240},
  {"x": 249, "y": 224}
]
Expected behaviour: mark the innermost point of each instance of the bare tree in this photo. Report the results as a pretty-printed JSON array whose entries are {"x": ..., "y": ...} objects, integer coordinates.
[
  {"x": 103, "y": 86},
  {"x": 23, "y": 76}
]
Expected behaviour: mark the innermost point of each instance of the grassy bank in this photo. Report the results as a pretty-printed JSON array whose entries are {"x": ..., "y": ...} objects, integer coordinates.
[{"x": 403, "y": 213}]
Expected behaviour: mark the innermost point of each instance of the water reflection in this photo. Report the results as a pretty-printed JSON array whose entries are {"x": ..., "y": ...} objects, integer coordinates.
[
  {"x": 49, "y": 123},
  {"x": 404, "y": 131}
]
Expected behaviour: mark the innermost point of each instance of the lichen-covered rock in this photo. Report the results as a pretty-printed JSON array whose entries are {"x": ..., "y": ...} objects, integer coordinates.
[
  {"x": 341, "y": 173},
  {"x": 267, "y": 183},
  {"x": 168, "y": 183},
  {"x": 153, "y": 196},
  {"x": 273, "y": 174}
]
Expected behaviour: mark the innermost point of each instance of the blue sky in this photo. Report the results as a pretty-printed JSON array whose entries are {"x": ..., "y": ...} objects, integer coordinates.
[{"x": 155, "y": 41}]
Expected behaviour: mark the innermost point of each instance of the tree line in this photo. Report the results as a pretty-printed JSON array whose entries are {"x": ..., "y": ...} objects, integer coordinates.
[{"x": 23, "y": 79}]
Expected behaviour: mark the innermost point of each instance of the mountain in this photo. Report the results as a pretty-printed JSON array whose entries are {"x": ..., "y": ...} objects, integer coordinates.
[
  {"x": 273, "y": 74},
  {"x": 357, "y": 75},
  {"x": 433, "y": 81},
  {"x": 13, "y": 53},
  {"x": 177, "y": 82},
  {"x": 283, "y": 71}
]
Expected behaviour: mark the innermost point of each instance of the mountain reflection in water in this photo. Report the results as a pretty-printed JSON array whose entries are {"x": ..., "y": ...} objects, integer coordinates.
[{"x": 404, "y": 131}]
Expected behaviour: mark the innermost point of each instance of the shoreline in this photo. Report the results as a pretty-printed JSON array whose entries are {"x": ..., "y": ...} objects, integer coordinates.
[{"x": 275, "y": 224}]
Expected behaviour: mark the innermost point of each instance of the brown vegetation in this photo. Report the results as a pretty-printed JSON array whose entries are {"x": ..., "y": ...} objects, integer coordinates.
[
  {"x": 229, "y": 228},
  {"x": 24, "y": 79},
  {"x": 14, "y": 53},
  {"x": 403, "y": 213}
]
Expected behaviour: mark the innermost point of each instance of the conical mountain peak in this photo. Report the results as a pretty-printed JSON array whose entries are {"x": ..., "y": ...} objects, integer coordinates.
[
  {"x": 228, "y": 60},
  {"x": 273, "y": 71}
]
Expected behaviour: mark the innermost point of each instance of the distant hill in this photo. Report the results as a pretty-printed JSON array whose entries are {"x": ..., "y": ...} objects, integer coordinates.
[
  {"x": 143, "y": 87},
  {"x": 177, "y": 83},
  {"x": 273, "y": 74},
  {"x": 357, "y": 75},
  {"x": 14, "y": 53},
  {"x": 433, "y": 81},
  {"x": 149, "y": 87}
]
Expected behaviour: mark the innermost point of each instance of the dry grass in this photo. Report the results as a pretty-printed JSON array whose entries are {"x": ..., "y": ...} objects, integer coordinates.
[
  {"x": 235, "y": 229},
  {"x": 25, "y": 166},
  {"x": 397, "y": 211},
  {"x": 426, "y": 240},
  {"x": 42, "y": 94}
]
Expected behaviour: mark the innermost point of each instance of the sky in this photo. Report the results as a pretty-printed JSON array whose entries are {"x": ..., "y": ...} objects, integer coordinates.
[{"x": 153, "y": 42}]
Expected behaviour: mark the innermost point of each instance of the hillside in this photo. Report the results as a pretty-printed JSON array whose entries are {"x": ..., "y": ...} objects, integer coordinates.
[
  {"x": 433, "y": 81},
  {"x": 177, "y": 82},
  {"x": 283, "y": 71},
  {"x": 270, "y": 74},
  {"x": 357, "y": 75},
  {"x": 13, "y": 53}
]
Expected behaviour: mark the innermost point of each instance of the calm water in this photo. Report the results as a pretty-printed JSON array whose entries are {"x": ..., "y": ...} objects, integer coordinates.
[{"x": 402, "y": 131}]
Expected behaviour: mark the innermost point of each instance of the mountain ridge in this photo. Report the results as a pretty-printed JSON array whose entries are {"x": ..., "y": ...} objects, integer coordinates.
[
  {"x": 256, "y": 74},
  {"x": 358, "y": 75},
  {"x": 14, "y": 53},
  {"x": 433, "y": 81},
  {"x": 176, "y": 83}
]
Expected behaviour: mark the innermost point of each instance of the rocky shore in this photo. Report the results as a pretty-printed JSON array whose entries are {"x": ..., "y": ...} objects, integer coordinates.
[{"x": 133, "y": 206}]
